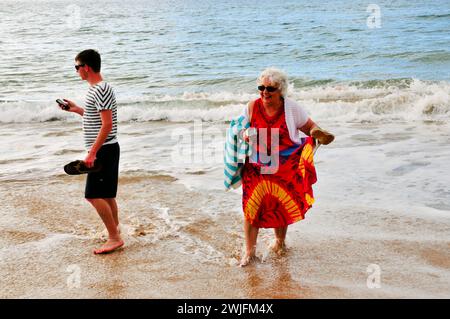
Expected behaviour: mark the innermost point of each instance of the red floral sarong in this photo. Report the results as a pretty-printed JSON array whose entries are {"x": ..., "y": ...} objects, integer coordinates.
[{"x": 283, "y": 197}]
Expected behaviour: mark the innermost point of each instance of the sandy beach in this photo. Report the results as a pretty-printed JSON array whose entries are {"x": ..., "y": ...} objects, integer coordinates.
[{"x": 185, "y": 242}]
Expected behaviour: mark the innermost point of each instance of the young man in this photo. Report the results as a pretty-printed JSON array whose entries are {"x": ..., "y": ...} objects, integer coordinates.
[{"x": 100, "y": 138}]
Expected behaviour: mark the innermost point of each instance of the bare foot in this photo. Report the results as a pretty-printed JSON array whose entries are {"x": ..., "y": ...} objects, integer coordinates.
[
  {"x": 104, "y": 235},
  {"x": 109, "y": 246},
  {"x": 278, "y": 247},
  {"x": 247, "y": 260}
]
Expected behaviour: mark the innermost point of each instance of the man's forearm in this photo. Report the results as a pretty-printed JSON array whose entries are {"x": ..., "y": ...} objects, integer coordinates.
[
  {"x": 101, "y": 138},
  {"x": 78, "y": 110}
]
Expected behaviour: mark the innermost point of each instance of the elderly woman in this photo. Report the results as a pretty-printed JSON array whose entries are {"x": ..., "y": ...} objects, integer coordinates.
[{"x": 277, "y": 177}]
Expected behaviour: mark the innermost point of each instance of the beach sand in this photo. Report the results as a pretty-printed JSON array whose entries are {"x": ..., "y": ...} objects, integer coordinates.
[{"x": 176, "y": 248}]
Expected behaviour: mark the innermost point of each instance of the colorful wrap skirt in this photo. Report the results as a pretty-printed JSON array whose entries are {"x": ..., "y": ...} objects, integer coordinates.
[{"x": 277, "y": 198}]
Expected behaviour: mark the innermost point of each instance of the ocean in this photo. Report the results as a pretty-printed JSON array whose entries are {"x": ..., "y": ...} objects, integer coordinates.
[{"x": 375, "y": 74}]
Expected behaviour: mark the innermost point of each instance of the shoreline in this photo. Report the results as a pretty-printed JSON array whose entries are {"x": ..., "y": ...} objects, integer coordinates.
[{"x": 173, "y": 249}]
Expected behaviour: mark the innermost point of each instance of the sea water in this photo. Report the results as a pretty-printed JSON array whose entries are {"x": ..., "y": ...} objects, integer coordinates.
[{"x": 181, "y": 71}]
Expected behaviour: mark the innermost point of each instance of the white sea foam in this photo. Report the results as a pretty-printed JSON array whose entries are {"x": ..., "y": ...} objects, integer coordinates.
[
  {"x": 143, "y": 114},
  {"x": 212, "y": 97},
  {"x": 49, "y": 243},
  {"x": 344, "y": 102},
  {"x": 418, "y": 101}
]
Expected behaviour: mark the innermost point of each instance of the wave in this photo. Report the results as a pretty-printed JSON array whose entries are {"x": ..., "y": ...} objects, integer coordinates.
[
  {"x": 379, "y": 100},
  {"x": 357, "y": 101},
  {"x": 434, "y": 16},
  {"x": 434, "y": 57}
]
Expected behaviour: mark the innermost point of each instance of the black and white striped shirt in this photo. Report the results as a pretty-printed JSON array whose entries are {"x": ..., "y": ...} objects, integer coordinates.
[{"x": 99, "y": 97}]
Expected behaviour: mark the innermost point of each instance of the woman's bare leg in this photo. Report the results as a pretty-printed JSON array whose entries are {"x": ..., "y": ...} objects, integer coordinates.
[
  {"x": 280, "y": 237},
  {"x": 251, "y": 235}
]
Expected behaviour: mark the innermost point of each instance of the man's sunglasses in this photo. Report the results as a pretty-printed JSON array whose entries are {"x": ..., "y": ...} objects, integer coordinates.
[
  {"x": 268, "y": 88},
  {"x": 78, "y": 66}
]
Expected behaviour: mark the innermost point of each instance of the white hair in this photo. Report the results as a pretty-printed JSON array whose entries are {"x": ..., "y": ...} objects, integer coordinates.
[{"x": 276, "y": 77}]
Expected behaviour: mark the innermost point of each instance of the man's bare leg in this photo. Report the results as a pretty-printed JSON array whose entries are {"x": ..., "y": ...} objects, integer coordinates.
[
  {"x": 114, "y": 209},
  {"x": 251, "y": 235},
  {"x": 106, "y": 214}
]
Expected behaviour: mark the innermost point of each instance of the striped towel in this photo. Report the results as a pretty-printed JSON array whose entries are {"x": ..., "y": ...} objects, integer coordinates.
[{"x": 235, "y": 152}]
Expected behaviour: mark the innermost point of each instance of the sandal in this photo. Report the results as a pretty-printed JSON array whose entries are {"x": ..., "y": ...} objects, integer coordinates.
[
  {"x": 79, "y": 167},
  {"x": 322, "y": 136}
]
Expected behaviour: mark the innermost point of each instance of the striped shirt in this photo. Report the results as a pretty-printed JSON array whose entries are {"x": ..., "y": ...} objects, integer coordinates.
[{"x": 99, "y": 97}]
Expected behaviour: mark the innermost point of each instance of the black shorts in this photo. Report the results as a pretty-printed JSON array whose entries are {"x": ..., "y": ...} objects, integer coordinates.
[{"x": 103, "y": 184}]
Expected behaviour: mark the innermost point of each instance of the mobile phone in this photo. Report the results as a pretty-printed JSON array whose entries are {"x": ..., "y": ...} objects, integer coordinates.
[{"x": 63, "y": 104}]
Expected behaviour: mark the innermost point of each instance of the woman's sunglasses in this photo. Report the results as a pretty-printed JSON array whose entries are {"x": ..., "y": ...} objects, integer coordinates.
[
  {"x": 268, "y": 88},
  {"x": 78, "y": 66}
]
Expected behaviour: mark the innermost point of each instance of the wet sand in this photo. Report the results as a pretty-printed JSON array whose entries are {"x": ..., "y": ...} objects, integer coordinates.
[{"x": 178, "y": 248}]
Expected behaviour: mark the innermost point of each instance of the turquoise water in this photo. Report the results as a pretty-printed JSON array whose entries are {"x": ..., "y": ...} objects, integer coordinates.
[{"x": 157, "y": 48}]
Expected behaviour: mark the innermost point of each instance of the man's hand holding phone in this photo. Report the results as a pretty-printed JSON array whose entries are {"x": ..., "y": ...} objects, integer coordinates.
[
  {"x": 66, "y": 105},
  {"x": 63, "y": 104}
]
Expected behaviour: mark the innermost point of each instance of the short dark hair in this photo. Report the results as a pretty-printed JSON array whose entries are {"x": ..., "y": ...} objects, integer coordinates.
[{"x": 91, "y": 58}]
